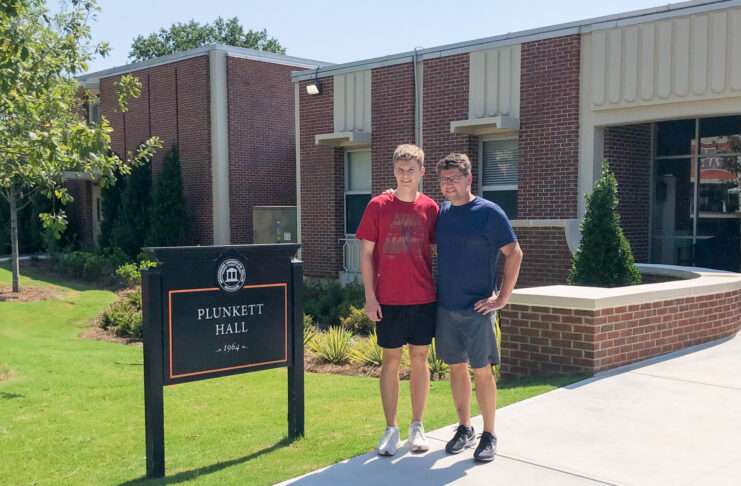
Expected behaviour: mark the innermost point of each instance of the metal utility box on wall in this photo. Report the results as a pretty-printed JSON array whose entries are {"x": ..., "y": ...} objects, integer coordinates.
[{"x": 274, "y": 224}]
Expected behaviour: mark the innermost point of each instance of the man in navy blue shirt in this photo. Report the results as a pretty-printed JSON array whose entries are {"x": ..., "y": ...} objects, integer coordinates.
[{"x": 471, "y": 232}]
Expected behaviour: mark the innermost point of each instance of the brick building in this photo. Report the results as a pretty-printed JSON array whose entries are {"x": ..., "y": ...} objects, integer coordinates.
[
  {"x": 537, "y": 111},
  {"x": 230, "y": 112}
]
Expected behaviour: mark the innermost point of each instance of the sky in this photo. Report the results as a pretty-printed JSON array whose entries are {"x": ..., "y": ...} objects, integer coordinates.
[{"x": 339, "y": 32}]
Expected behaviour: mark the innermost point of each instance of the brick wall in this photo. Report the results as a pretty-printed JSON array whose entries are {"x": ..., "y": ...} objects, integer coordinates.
[
  {"x": 546, "y": 340},
  {"x": 392, "y": 121},
  {"x": 262, "y": 149},
  {"x": 628, "y": 148},
  {"x": 549, "y": 129},
  {"x": 445, "y": 100},
  {"x": 174, "y": 105},
  {"x": 80, "y": 212},
  {"x": 322, "y": 186},
  {"x": 547, "y": 258}
]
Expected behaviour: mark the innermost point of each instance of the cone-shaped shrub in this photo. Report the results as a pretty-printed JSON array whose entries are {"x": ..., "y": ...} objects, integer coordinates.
[
  {"x": 132, "y": 221},
  {"x": 604, "y": 258},
  {"x": 168, "y": 224}
]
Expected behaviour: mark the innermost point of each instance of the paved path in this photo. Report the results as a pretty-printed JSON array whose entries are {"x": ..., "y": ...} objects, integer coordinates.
[{"x": 673, "y": 420}]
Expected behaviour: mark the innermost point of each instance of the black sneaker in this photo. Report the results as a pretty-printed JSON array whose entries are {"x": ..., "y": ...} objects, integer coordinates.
[
  {"x": 464, "y": 437},
  {"x": 486, "y": 449}
]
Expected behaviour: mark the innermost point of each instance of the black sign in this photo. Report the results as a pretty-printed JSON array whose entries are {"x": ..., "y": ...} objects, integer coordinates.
[{"x": 216, "y": 311}]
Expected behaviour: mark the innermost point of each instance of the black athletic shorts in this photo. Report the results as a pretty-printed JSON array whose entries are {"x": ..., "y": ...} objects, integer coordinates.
[{"x": 406, "y": 324}]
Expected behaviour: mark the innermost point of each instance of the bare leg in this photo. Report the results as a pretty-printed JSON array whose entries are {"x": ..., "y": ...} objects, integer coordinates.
[
  {"x": 390, "y": 384},
  {"x": 419, "y": 382},
  {"x": 460, "y": 386},
  {"x": 486, "y": 395}
]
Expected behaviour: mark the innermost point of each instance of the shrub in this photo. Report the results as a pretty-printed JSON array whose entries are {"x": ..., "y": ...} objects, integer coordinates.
[
  {"x": 168, "y": 223},
  {"x": 367, "y": 351},
  {"x": 89, "y": 266},
  {"x": 110, "y": 202},
  {"x": 438, "y": 368},
  {"x": 310, "y": 333},
  {"x": 131, "y": 272},
  {"x": 604, "y": 258},
  {"x": 132, "y": 219},
  {"x": 358, "y": 322},
  {"x": 333, "y": 345},
  {"x": 125, "y": 317},
  {"x": 328, "y": 302}
]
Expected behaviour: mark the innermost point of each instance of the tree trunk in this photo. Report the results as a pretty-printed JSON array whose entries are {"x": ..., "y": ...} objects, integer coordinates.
[{"x": 14, "y": 239}]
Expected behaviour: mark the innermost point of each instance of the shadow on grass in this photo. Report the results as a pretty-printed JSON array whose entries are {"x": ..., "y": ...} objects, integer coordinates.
[
  {"x": 39, "y": 271},
  {"x": 8, "y": 396},
  {"x": 196, "y": 473}
]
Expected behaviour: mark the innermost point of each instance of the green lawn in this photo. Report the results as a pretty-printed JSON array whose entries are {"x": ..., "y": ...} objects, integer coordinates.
[{"x": 73, "y": 410}]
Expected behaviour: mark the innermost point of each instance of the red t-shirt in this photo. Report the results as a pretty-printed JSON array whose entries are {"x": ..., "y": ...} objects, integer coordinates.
[{"x": 402, "y": 232}]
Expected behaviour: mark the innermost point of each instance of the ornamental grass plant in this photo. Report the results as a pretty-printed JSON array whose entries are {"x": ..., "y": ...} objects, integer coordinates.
[
  {"x": 367, "y": 351},
  {"x": 333, "y": 345}
]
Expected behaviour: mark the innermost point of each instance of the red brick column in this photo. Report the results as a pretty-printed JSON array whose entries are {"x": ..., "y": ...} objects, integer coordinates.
[
  {"x": 548, "y": 165},
  {"x": 322, "y": 185}
]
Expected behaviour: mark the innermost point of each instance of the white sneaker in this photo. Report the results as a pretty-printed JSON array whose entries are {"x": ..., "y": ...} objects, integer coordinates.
[
  {"x": 417, "y": 440},
  {"x": 389, "y": 442}
]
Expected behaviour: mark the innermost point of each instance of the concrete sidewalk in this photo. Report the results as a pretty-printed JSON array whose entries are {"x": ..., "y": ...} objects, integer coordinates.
[{"x": 673, "y": 420}]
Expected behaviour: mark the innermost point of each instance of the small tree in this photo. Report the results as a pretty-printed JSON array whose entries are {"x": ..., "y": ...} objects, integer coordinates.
[
  {"x": 604, "y": 258},
  {"x": 132, "y": 222},
  {"x": 111, "y": 201},
  {"x": 168, "y": 224}
]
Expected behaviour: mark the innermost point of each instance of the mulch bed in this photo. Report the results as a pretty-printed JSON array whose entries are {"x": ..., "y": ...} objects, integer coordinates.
[
  {"x": 312, "y": 364},
  {"x": 29, "y": 294}
]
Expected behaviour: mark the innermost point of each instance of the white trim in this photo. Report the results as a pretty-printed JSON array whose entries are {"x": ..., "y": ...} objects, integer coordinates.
[
  {"x": 697, "y": 282},
  {"x": 297, "y": 138},
  {"x": 352, "y": 193},
  {"x": 486, "y": 126},
  {"x": 352, "y": 138},
  {"x": 92, "y": 80},
  {"x": 219, "y": 148},
  {"x": 558, "y": 30}
]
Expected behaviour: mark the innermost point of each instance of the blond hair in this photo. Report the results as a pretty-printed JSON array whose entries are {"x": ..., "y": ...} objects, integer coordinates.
[{"x": 409, "y": 151}]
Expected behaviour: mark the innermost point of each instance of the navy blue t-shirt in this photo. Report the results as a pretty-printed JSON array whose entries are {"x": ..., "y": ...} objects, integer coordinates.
[{"x": 468, "y": 241}]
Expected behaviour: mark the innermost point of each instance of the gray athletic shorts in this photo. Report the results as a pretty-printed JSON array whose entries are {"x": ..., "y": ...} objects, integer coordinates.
[{"x": 466, "y": 336}]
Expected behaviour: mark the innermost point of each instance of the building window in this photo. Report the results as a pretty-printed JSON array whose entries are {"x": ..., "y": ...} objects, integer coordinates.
[
  {"x": 94, "y": 109},
  {"x": 498, "y": 169},
  {"x": 696, "y": 219},
  {"x": 357, "y": 187}
]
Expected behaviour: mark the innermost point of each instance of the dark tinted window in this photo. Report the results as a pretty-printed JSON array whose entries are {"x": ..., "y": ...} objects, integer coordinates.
[
  {"x": 354, "y": 207},
  {"x": 675, "y": 137}
]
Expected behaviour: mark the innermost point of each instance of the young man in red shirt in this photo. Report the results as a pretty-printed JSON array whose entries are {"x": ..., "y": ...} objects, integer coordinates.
[{"x": 396, "y": 233}]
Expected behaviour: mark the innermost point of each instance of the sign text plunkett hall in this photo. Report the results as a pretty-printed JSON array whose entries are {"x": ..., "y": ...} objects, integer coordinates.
[{"x": 217, "y": 311}]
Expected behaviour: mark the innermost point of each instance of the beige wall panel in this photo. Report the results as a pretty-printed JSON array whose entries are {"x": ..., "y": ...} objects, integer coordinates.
[
  {"x": 735, "y": 25},
  {"x": 699, "y": 54},
  {"x": 647, "y": 61},
  {"x": 339, "y": 104},
  {"x": 614, "y": 60},
  {"x": 352, "y": 102},
  {"x": 718, "y": 23},
  {"x": 478, "y": 85},
  {"x": 505, "y": 78},
  {"x": 682, "y": 56},
  {"x": 630, "y": 76},
  {"x": 664, "y": 59},
  {"x": 687, "y": 58},
  {"x": 494, "y": 83},
  {"x": 598, "y": 67}
]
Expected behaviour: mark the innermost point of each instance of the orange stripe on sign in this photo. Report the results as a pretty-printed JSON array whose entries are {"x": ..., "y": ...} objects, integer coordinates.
[{"x": 285, "y": 328}]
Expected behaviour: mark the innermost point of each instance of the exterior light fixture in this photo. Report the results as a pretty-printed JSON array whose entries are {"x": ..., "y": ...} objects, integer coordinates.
[{"x": 315, "y": 87}]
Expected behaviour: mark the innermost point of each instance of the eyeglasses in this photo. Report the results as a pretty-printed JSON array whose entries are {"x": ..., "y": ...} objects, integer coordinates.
[{"x": 451, "y": 180}]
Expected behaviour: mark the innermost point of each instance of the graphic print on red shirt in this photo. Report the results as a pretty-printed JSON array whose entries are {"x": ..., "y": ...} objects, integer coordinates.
[{"x": 402, "y": 232}]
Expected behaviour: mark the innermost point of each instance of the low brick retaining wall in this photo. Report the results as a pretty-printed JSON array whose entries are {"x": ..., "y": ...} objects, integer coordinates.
[{"x": 567, "y": 329}]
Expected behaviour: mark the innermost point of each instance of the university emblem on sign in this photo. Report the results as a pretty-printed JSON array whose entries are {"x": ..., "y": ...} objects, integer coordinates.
[{"x": 231, "y": 275}]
